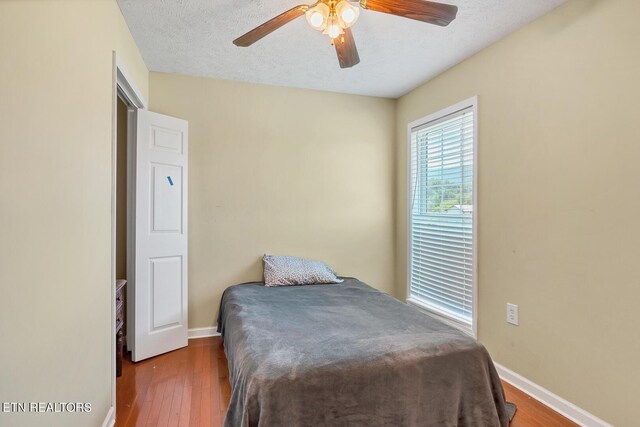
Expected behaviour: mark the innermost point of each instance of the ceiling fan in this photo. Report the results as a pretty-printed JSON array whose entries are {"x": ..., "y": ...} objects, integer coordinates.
[{"x": 335, "y": 17}]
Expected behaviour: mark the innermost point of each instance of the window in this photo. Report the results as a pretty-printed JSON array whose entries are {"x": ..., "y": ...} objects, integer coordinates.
[{"x": 442, "y": 210}]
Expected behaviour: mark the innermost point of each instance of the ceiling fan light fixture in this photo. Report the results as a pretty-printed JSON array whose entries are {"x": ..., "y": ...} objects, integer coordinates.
[
  {"x": 317, "y": 16},
  {"x": 334, "y": 17},
  {"x": 347, "y": 13}
]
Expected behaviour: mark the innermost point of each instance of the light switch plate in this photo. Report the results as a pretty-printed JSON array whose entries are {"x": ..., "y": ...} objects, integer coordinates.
[{"x": 512, "y": 314}]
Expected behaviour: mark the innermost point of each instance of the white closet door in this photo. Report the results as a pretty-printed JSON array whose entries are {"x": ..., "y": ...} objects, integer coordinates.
[{"x": 160, "y": 246}]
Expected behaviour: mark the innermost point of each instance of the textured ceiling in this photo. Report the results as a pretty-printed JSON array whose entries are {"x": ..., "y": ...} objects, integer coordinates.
[{"x": 396, "y": 54}]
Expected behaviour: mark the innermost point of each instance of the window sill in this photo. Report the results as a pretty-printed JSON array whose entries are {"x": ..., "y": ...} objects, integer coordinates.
[{"x": 443, "y": 316}]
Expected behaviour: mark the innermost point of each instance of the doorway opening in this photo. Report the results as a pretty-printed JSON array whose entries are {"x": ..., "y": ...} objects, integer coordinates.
[
  {"x": 149, "y": 229},
  {"x": 126, "y": 100},
  {"x": 121, "y": 247}
]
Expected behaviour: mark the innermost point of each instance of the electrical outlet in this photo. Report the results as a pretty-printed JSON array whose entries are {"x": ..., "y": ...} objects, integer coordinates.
[{"x": 512, "y": 314}]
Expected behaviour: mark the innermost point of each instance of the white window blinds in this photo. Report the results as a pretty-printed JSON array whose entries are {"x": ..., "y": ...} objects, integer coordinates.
[{"x": 441, "y": 267}]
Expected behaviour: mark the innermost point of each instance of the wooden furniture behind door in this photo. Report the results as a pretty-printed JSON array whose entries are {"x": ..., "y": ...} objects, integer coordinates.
[{"x": 120, "y": 322}]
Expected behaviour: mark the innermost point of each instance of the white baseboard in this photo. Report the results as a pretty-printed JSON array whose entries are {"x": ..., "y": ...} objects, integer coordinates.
[
  {"x": 553, "y": 401},
  {"x": 110, "y": 419},
  {"x": 211, "y": 331}
]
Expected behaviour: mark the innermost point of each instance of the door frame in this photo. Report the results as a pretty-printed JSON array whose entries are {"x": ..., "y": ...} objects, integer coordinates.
[{"x": 124, "y": 87}]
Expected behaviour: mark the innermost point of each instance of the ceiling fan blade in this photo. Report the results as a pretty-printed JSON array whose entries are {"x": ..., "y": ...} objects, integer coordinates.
[
  {"x": 421, "y": 10},
  {"x": 346, "y": 49},
  {"x": 270, "y": 26}
]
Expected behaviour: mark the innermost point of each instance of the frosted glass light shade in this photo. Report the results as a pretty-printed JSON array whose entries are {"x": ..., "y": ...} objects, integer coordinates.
[
  {"x": 318, "y": 16},
  {"x": 347, "y": 13}
]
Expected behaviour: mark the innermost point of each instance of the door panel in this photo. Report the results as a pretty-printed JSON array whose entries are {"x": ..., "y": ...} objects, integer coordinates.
[
  {"x": 166, "y": 292},
  {"x": 166, "y": 207},
  {"x": 167, "y": 139}
]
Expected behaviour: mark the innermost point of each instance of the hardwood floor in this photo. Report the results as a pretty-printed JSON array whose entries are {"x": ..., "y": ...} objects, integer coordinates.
[
  {"x": 186, "y": 387},
  {"x": 532, "y": 413},
  {"x": 190, "y": 387}
]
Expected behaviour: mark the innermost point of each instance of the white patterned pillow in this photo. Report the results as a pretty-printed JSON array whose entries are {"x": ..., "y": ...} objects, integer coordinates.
[{"x": 289, "y": 270}]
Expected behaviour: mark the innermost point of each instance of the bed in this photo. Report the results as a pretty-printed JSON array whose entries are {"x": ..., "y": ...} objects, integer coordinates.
[{"x": 348, "y": 355}]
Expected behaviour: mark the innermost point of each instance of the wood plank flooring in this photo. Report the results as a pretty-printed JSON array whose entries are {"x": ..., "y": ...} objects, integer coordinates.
[
  {"x": 190, "y": 387},
  {"x": 532, "y": 413}
]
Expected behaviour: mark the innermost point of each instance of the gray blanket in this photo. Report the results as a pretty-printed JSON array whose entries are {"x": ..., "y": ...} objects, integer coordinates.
[{"x": 349, "y": 355}]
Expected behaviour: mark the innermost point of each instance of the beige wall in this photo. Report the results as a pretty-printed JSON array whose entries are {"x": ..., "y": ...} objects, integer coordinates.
[
  {"x": 559, "y": 197},
  {"x": 55, "y": 181},
  {"x": 284, "y": 171}
]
